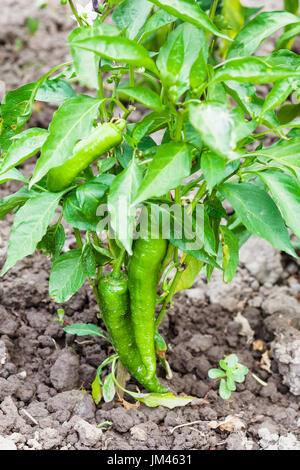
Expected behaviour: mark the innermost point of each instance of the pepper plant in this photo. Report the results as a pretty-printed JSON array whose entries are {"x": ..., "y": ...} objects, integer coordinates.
[{"x": 154, "y": 201}]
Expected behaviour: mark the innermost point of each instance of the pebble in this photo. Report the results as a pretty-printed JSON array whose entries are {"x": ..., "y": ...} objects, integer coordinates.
[
  {"x": 64, "y": 374},
  {"x": 7, "y": 444}
]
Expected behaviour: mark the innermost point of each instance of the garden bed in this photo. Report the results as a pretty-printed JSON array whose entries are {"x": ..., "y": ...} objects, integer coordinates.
[{"x": 46, "y": 375}]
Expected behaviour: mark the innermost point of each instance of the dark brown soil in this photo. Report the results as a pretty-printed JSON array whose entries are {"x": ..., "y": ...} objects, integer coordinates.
[{"x": 46, "y": 375}]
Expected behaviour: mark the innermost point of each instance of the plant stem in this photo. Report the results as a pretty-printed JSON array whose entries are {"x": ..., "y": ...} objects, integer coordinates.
[
  {"x": 169, "y": 297},
  {"x": 178, "y": 129},
  {"x": 97, "y": 297},
  {"x": 122, "y": 377},
  {"x": 58, "y": 222},
  {"x": 168, "y": 258},
  {"x": 105, "y": 14},
  {"x": 197, "y": 197},
  {"x": 78, "y": 238},
  {"x": 113, "y": 368},
  {"x": 79, "y": 20},
  {"x": 95, "y": 238},
  {"x": 118, "y": 263},
  {"x": 212, "y": 12},
  {"x": 131, "y": 80},
  {"x": 93, "y": 282},
  {"x": 40, "y": 187},
  {"x": 213, "y": 9},
  {"x": 101, "y": 96}
]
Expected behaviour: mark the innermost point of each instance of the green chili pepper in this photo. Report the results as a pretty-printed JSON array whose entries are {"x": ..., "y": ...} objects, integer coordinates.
[
  {"x": 113, "y": 292},
  {"x": 143, "y": 272},
  {"x": 102, "y": 139}
]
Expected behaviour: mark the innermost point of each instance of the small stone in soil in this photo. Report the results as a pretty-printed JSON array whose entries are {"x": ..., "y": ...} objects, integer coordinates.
[{"x": 64, "y": 373}]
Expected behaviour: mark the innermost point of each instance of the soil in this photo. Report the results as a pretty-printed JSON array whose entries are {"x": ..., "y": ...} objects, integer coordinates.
[{"x": 46, "y": 375}]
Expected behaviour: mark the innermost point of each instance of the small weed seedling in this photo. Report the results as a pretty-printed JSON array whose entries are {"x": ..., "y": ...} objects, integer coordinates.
[{"x": 232, "y": 373}]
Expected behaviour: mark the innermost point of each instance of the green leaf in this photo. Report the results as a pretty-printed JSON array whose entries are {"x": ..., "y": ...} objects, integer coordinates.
[
  {"x": 224, "y": 391},
  {"x": 177, "y": 56},
  {"x": 89, "y": 261},
  {"x": 81, "y": 205},
  {"x": 189, "y": 11},
  {"x": 54, "y": 91},
  {"x": 125, "y": 152},
  {"x": 243, "y": 128},
  {"x": 131, "y": 16},
  {"x": 150, "y": 123},
  {"x": 108, "y": 388},
  {"x": 213, "y": 168},
  {"x": 12, "y": 175},
  {"x": 204, "y": 4},
  {"x": 71, "y": 122},
  {"x": 245, "y": 95},
  {"x": 118, "y": 49},
  {"x": 30, "y": 225},
  {"x": 252, "y": 69},
  {"x": 216, "y": 374},
  {"x": 287, "y": 113},
  {"x": 233, "y": 13},
  {"x": 102, "y": 255},
  {"x": 283, "y": 58},
  {"x": 279, "y": 93},
  {"x": 147, "y": 97},
  {"x": 239, "y": 229},
  {"x": 231, "y": 360},
  {"x": 239, "y": 374},
  {"x": 84, "y": 329},
  {"x": 257, "y": 30},
  {"x": 198, "y": 72},
  {"x": 53, "y": 241},
  {"x": 292, "y": 6},
  {"x": 157, "y": 21},
  {"x": 258, "y": 213},
  {"x": 168, "y": 400},
  {"x": 8, "y": 203},
  {"x": 216, "y": 91},
  {"x": 168, "y": 168},
  {"x": 230, "y": 383},
  {"x": 160, "y": 343},
  {"x": 214, "y": 208},
  {"x": 285, "y": 152},
  {"x": 292, "y": 32},
  {"x": 215, "y": 124},
  {"x": 192, "y": 269},
  {"x": 106, "y": 164},
  {"x": 251, "y": 11},
  {"x": 67, "y": 276},
  {"x": 90, "y": 194},
  {"x": 230, "y": 247},
  {"x": 76, "y": 217},
  {"x": 286, "y": 193},
  {"x": 86, "y": 63},
  {"x": 121, "y": 195},
  {"x": 223, "y": 364},
  {"x": 16, "y": 109},
  {"x": 25, "y": 146},
  {"x": 182, "y": 230},
  {"x": 97, "y": 390}
]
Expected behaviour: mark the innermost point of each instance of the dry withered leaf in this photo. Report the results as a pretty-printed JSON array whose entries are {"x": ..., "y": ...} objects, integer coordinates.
[
  {"x": 129, "y": 406},
  {"x": 265, "y": 362},
  {"x": 258, "y": 345},
  {"x": 231, "y": 423},
  {"x": 246, "y": 329}
]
